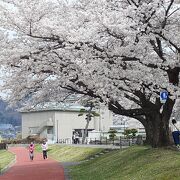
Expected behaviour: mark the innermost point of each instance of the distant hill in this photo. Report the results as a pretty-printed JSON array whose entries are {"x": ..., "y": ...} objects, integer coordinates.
[{"x": 9, "y": 115}]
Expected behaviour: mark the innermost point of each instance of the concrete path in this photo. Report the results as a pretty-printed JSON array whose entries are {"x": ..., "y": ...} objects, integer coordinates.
[{"x": 38, "y": 169}]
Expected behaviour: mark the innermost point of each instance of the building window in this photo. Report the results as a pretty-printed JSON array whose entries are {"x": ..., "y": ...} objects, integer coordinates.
[
  {"x": 50, "y": 130},
  {"x": 33, "y": 130}
]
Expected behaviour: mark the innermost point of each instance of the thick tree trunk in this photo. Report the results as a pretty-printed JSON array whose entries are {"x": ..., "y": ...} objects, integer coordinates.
[
  {"x": 157, "y": 126},
  {"x": 157, "y": 131}
]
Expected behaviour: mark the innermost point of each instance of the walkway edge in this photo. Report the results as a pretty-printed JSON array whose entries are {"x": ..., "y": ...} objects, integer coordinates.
[
  {"x": 6, "y": 168},
  {"x": 67, "y": 170}
]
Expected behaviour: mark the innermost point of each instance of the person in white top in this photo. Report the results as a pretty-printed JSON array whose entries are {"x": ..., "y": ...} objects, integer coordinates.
[
  {"x": 173, "y": 125},
  {"x": 175, "y": 133},
  {"x": 77, "y": 137},
  {"x": 44, "y": 149}
]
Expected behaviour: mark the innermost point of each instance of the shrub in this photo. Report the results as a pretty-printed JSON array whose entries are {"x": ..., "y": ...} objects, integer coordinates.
[
  {"x": 29, "y": 139},
  {"x": 130, "y": 133},
  {"x": 112, "y": 134}
]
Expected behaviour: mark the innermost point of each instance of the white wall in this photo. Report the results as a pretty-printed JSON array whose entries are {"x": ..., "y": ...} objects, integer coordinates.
[
  {"x": 34, "y": 119},
  {"x": 68, "y": 121}
]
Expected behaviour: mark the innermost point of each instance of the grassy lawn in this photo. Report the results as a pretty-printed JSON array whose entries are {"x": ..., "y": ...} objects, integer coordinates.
[
  {"x": 5, "y": 158},
  {"x": 69, "y": 153},
  {"x": 135, "y": 163}
]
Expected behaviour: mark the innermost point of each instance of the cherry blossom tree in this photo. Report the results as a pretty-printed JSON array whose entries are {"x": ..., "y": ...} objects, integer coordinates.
[{"x": 123, "y": 53}]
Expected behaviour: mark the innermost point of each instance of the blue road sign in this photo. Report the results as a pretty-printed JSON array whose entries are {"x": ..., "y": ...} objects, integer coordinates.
[{"x": 163, "y": 96}]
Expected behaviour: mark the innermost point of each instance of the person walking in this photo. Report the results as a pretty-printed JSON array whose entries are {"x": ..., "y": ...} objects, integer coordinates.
[
  {"x": 44, "y": 149},
  {"x": 31, "y": 151},
  {"x": 77, "y": 137},
  {"x": 74, "y": 138},
  {"x": 175, "y": 133}
]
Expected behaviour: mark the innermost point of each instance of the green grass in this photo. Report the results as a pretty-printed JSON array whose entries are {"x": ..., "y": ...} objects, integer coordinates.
[
  {"x": 69, "y": 153},
  {"x": 5, "y": 158},
  {"x": 135, "y": 163}
]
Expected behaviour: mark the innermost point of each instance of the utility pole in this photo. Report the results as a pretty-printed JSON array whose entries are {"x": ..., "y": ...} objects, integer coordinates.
[{"x": 57, "y": 131}]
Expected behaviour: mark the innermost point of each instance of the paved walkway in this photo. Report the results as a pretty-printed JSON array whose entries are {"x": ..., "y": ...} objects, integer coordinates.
[{"x": 38, "y": 169}]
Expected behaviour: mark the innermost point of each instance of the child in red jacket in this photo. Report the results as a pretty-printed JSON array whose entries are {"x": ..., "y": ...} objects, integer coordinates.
[{"x": 31, "y": 151}]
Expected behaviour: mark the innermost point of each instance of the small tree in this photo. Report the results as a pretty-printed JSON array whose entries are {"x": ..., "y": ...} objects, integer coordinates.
[
  {"x": 112, "y": 134},
  {"x": 133, "y": 132},
  {"x": 127, "y": 132},
  {"x": 130, "y": 132},
  {"x": 89, "y": 114}
]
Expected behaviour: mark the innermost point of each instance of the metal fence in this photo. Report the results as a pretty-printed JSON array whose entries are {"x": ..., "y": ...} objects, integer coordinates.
[{"x": 120, "y": 141}]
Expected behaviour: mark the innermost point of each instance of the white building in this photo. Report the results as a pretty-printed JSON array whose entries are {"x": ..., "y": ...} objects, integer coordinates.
[{"x": 58, "y": 124}]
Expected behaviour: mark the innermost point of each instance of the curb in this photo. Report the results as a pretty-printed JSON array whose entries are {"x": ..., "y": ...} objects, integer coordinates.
[
  {"x": 66, "y": 170},
  {"x": 6, "y": 168}
]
